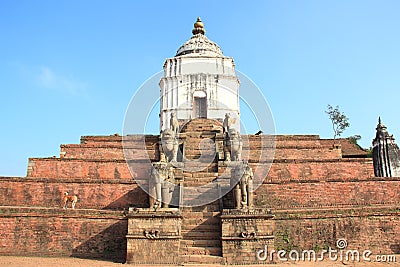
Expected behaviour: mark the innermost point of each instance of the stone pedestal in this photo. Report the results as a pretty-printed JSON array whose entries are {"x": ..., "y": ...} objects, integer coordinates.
[
  {"x": 245, "y": 233},
  {"x": 153, "y": 236}
]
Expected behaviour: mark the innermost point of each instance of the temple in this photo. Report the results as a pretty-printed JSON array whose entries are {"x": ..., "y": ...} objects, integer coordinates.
[
  {"x": 199, "y": 82},
  {"x": 385, "y": 153},
  {"x": 202, "y": 192}
]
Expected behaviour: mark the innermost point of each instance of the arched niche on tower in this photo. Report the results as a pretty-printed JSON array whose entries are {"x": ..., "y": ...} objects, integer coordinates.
[{"x": 199, "y": 106}]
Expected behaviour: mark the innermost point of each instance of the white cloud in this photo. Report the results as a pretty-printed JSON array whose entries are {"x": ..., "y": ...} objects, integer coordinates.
[{"x": 47, "y": 78}]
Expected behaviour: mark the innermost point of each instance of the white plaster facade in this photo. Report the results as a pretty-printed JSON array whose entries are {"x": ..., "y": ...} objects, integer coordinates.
[{"x": 199, "y": 82}]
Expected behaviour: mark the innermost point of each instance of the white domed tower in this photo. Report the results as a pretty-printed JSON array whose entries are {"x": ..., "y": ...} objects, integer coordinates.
[{"x": 199, "y": 82}]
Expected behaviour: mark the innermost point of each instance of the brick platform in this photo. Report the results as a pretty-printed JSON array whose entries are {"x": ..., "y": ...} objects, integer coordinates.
[
  {"x": 154, "y": 237},
  {"x": 318, "y": 192},
  {"x": 246, "y": 232},
  {"x": 42, "y": 231}
]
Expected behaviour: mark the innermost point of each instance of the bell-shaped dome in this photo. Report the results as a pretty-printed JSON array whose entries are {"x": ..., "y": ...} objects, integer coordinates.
[{"x": 199, "y": 43}]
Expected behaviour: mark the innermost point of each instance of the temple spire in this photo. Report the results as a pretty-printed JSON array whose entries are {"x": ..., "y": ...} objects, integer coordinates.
[
  {"x": 198, "y": 27},
  {"x": 385, "y": 153}
]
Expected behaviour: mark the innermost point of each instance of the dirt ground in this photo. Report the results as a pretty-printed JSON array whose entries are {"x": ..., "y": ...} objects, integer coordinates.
[{"x": 13, "y": 261}]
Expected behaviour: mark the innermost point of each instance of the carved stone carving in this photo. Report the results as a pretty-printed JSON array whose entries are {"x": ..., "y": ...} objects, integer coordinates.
[
  {"x": 152, "y": 234},
  {"x": 233, "y": 145},
  {"x": 227, "y": 123},
  {"x": 169, "y": 145},
  {"x": 174, "y": 124},
  {"x": 243, "y": 191},
  {"x": 248, "y": 234}
]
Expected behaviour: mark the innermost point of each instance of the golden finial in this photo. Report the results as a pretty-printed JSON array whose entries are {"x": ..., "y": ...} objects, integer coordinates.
[{"x": 198, "y": 27}]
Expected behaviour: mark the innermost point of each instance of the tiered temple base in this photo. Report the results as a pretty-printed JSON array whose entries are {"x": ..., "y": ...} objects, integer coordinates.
[{"x": 318, "y": 193}]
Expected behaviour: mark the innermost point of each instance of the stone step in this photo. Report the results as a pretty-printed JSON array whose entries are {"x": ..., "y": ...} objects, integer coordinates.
[
  {"x": 202, "y": 259},
  {"x": 203, "y": 224},
  {"x": 216, "y": 251},
  {"x": 208, "y": 153},
  {"x": 198, "y": 163},
  {"x": 200, "y": 243},
  {"x": 195, "y": 194},
  {"x": 196, "y": 157},
  {"x": 196, "y": 166},
  {"x": 202, "y": 149},
  {"x": 199, "y": 170},
  {"x": 201, "y": 227},
  {"x": 196, "y": 202},
  {"x": 202, "y": 221},
  {"x": 199, "y": 212},
  {"x": 209, "y": 208},
  {"x": 199, "y": 178},
  {"x": 202, "y": 125},
  {"x": 206, "y": 183},
  {"x": 199, "y": 183},
  {"x": 200, "y": 144},
  {"x": 212, "y": 187},
  {"x": 201, "y": 235}
]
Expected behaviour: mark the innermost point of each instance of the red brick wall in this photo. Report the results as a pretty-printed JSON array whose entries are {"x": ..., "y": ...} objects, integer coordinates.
[
  {"x": 286, "y": 141},
  {"x": 314, "y": 194},
  {"x": 114, "y": 194},
  {"x": 117, "y": 140},
  {"x": 101, "y": 157},
  {"x": 48, "y": 232},
  {"x": 81, "y": 168},
  {"x": 91, "y": 152},
  {"x": 104, "y": 151},
  {"x": 304, "y": 170},
  {"x": 373, "y": 228},
  {"x": 282, "y": 170},
  {"x": 310, "y": 153}
]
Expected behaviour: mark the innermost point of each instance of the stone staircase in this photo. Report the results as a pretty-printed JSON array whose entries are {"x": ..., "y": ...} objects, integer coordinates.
[
  {"x": 201, "y": 235},
  {"x": 201, "y": 224}
]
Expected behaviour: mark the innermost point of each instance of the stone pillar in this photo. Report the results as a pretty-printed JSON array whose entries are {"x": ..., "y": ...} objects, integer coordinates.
[
  {"x": 153, "y": 236},
  {"x": 385, "y": 153},
  {"x": 245, "y": 233}
]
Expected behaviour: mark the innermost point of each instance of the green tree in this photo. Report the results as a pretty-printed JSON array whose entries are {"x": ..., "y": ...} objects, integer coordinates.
[
  {"x": 339, "y": 120},
  {"x": 354, "y": 139}
]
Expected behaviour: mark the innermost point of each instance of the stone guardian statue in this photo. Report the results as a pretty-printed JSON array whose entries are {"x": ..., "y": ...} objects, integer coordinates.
[
  {"x": 233, "y": 146},
  {"x": 174, "y": 124},
  {"x": 243, "y": 191},
  {"x": 161, "y": 186},
  {"x": 169, "y": 145}
]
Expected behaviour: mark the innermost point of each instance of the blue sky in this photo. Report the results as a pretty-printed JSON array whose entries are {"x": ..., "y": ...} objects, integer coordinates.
[{"x": 70, "y": 68}]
